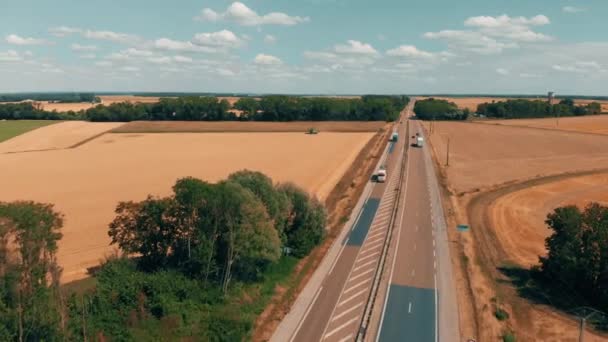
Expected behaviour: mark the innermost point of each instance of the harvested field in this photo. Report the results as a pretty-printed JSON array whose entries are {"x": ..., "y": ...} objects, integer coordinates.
[
  {"x": 482, "y": 156},
  {"x": 58, "y": 136},
  {"x": 519, "y": 216},
  {"x": 597, "y": 124},
  {"x": 249, "y": 126},
  {"x": 497, "y": 183},
  {"x": 109, "y": 99},
  {"x": 12, "y": 128},
  {"x": 87, "y": 182},
  {"x": 65, "y": 107}
]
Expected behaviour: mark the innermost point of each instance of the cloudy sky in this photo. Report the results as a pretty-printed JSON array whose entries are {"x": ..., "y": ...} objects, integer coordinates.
[{"x": 305, "y": 46}]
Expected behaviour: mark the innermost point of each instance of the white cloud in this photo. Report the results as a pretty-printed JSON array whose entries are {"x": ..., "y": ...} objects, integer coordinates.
[
  {"x": 62, "y": 31},
  {"x": 88, "y": 56},
  {"x": 176, "y": 45},
  {"x": 130, "y": 53},
  {"x": 528, "y": 75},
  {"x": 224, "y": 38},
  {"x": 130, "y": 69},
  {"x": 241, "y": 14},
  {"x": 78, "y": 47},
  {"x": 263, "y": 59},
  {"x": 182, "y": 59},
  {"x": 581, "y": 67},
  {"x": 409, "y": 51},
  {"x": 356, "y": 47},
  {"x": 10, "y": 56},
  {"x": 18, "y": 40},
  {"x": 572, "y": 9},
  {"x": 270, "y": 39},
  {"x": 112, "y": 36},
  {"x": 470, "y": 41},
  {"x": 502, "y": 71},
  {"x": 492, "y": 35},
  {"x": 104, "y": 63}
]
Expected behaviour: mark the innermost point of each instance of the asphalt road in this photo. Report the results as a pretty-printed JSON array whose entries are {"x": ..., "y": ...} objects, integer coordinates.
[
  {"x": 336, "y": 312},
  {"x": 414, "y": 309}
]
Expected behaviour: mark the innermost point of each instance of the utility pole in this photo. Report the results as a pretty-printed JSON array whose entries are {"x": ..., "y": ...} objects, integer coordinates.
[{"x": 581, "y": 336}]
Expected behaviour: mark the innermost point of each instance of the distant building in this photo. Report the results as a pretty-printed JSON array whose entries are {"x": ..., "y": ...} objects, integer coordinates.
[{"x": 550, "y": 97}]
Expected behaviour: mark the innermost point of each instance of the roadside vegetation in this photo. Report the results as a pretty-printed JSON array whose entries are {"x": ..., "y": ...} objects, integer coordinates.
[
  {"x": 11, "y": 129},
  {"x": 520, "y": 109},
  {"x": 268, "y": 108},
  {"x": 200, "y": 264},
  {"x": 436, "y": 109}
]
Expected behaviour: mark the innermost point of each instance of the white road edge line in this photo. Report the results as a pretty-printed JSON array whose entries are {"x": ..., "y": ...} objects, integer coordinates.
[{"x": 314, "y": 299}]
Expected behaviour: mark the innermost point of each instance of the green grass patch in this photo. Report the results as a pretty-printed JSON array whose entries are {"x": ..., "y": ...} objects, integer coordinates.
[
  {"x": 12, "y": 128},
  {"x": 509, "y": 337}
]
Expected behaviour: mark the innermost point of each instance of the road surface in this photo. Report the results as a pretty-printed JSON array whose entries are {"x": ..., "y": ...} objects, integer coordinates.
[
  {"x": 420, "y": 304},
  {"x": 337, "y": 310}
]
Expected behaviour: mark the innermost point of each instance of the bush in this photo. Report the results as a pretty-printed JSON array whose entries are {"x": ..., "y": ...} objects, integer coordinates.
[
  {"x": 509, "y": 337},
  {"x": 501, "y": 314},
  {"x": 433, "y": 109}
]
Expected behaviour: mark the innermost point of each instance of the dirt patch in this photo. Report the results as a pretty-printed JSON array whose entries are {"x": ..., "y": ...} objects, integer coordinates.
[
  {"x": 58, "y": 136},
  {"x": 340, "y": 204},
  {"x": 249, "y": 126},
  {"x": 86, "y": 183},
  {"x": 597, "y": 124}
]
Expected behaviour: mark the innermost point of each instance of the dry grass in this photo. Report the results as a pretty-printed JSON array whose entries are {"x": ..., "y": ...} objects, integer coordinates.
[
  {"x": 597, "y": 124},
  {"x": 249, "y": 126},
  {"x": 110, "y": 99},
  {"x": 86, "y": 183}
]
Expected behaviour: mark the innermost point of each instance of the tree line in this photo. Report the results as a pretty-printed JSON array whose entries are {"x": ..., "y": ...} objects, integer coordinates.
[
  {"x": 188, "y": 261},
  {"x": 193, "y": 108},
  {"x": 519, "y": 108},
  {"x": 436, "y": 109},
  {"x": 51, "y": 97}
]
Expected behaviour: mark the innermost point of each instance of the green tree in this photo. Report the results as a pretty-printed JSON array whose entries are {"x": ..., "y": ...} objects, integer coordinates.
[
  {"x": 148, "y": 228},
  {"x": 308, "y": 219},
  {"x": 29, "y": 282}
]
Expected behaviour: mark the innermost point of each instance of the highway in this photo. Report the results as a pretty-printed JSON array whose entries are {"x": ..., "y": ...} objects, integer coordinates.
[
  {"x": 420, "y": 304},
  {"x": 336, "y": 312},
  {"x": 411, "y": 297}
]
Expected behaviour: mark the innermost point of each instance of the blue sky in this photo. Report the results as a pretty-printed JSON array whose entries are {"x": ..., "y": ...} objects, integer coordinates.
[{"x": 305, "y": 46}]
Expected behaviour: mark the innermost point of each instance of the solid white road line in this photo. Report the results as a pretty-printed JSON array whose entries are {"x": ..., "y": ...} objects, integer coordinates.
[
  {"x": 353, "y": 296},
  {"x": 409, "y": 308},
  {"x": 306, "y": 313},
  {"x": 347, "y": 312},
  {"x": 340, "y": 327}
]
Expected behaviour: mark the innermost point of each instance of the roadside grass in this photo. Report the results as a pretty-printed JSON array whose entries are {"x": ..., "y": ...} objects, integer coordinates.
[{"x": 12, "y": 128}]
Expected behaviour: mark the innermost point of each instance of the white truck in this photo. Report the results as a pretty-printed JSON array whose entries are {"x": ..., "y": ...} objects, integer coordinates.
[
  {"x": 419, "y": 141},
  {"x": 381, "y": 175}
]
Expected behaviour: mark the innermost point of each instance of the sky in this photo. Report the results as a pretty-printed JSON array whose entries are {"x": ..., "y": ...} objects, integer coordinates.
[{"x": 305, "y": 46}]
